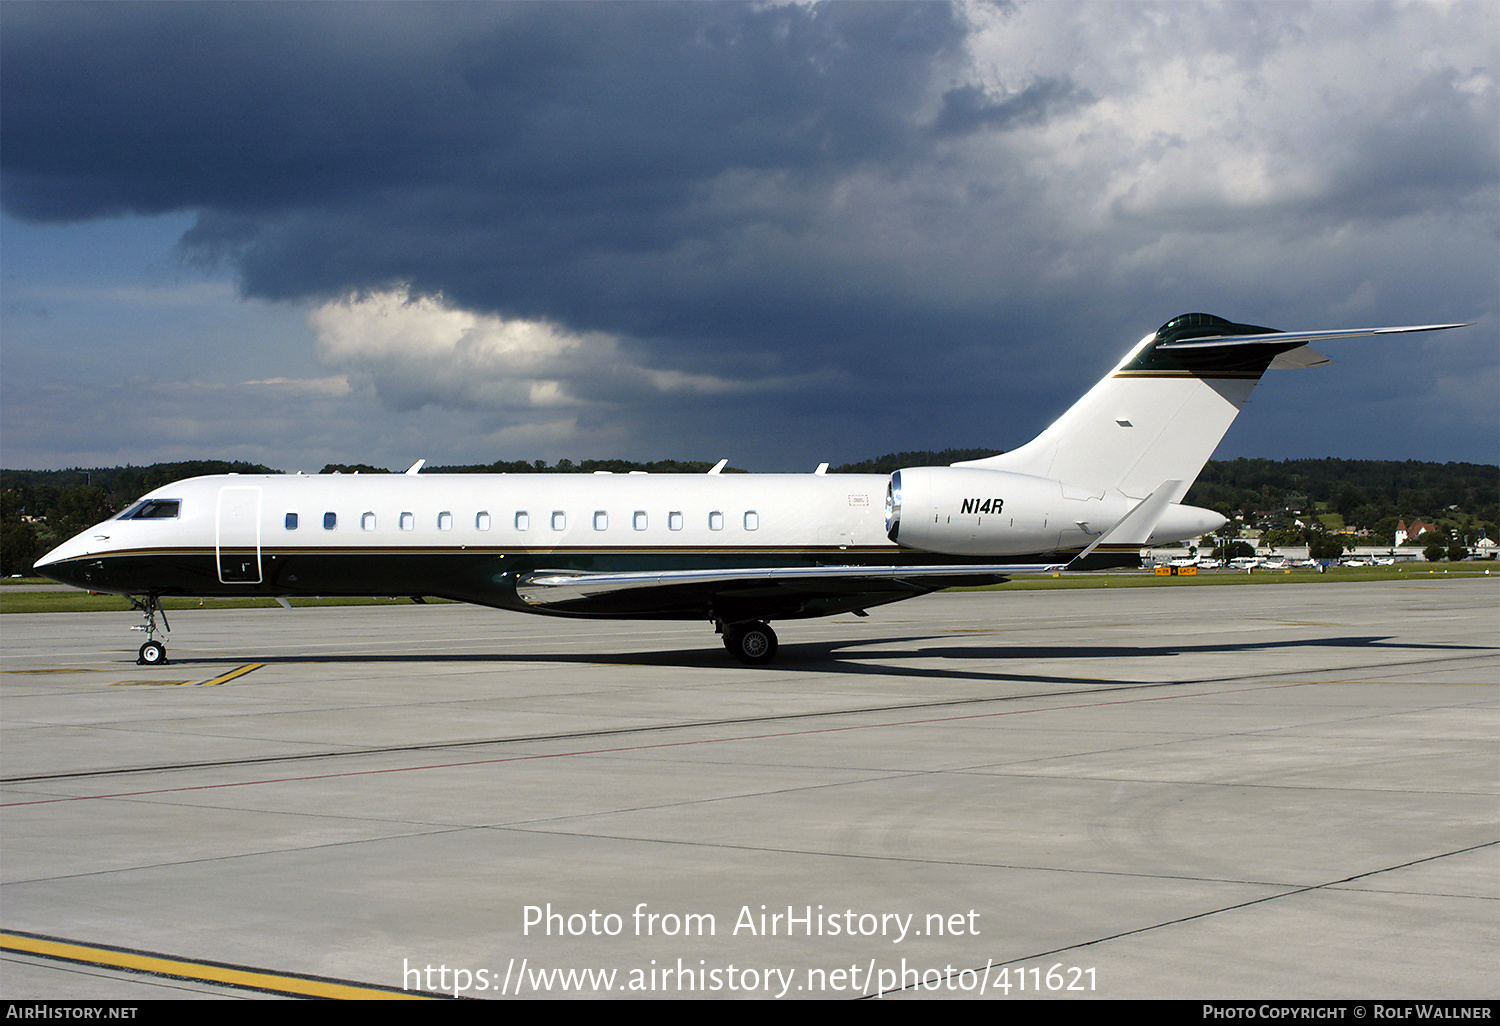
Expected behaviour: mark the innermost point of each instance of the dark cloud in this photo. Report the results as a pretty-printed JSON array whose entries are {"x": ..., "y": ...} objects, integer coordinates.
[
  {"x": 551, "y": 109},
  {"x": 537, "y": 159},
  {"x": 1426, "y": 150},
  {"x": 891, "y": 199},
  {"x": 970, "y": 108}
]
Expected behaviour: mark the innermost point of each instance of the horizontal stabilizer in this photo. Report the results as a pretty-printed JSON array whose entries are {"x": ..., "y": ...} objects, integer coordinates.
[{"x": 1281, "y": 338}]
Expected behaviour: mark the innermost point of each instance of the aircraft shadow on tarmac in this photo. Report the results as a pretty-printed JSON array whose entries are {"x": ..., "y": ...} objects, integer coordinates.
[{"x": 879, "y": 656}]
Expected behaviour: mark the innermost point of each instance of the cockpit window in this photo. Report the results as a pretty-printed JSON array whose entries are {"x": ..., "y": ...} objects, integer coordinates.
[{"x": 153, "y": 509}]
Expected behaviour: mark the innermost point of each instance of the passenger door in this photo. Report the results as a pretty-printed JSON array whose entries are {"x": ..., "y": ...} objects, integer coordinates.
[{"x": 237, "y": 534}]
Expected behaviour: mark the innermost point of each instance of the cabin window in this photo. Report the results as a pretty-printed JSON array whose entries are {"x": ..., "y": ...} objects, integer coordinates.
[
  {"x": 367, "y": 522},
  {"x": 445, "y": 521},
  {"x": 291, "y": 521},
  {"x": 481, "y": 521},
  {"x": 716, "y": 521},
  {"x": 559, "y": 520},
  {"x": 674, "y": 520},
  {"x": 330, "y": 521},
  {"x": 638, "y": 520},
  {"x": 407, "y": 522},
  {"x": 523, "y": 521},
  {"x": 752, "y": 521},
  {"x": 601, "y": 520},
  {"x": 153, "y": 509}
]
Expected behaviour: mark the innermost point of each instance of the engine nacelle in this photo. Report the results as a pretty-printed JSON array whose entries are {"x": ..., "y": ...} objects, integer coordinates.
[{"x": 965, "y": 511}]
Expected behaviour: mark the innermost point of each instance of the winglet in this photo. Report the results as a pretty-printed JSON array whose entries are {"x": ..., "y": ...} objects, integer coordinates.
[{"x": 416, "y": 468}]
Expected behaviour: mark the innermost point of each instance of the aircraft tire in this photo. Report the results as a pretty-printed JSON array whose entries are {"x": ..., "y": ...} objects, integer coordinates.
[
  {"x": 751, "y": 643},
  {"x": 153, "y": 653}
]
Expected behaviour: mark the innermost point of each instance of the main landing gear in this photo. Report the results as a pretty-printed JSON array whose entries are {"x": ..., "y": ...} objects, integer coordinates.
[
  {"x": 752, "y": 642},
  {"x": 153, "y": 652}
]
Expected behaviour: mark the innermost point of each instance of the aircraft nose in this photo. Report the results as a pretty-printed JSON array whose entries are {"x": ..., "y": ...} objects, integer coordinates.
[{"x": 63, "y": 564}]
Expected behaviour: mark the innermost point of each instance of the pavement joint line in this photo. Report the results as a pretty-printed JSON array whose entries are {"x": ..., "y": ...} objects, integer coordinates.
[
  {"x": 576, "y": 753},
  {"x": 1112, "y": 686},
  {"x": 1209, "y": 913},
  {"x": 577, "y": 735}
]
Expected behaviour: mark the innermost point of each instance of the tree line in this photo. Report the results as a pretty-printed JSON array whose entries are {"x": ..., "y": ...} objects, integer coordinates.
[{"x": 1460, "y": 500}]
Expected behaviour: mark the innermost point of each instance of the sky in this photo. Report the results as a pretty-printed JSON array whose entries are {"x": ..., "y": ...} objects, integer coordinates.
[{"x": 312, "y": 233}]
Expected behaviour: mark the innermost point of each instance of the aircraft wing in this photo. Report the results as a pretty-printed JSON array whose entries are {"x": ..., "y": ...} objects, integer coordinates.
[
  {"x": 552, "y": 588},
  {"x": 827, "y": 588}
]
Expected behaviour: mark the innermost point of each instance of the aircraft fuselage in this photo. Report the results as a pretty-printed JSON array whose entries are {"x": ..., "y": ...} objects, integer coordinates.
[{"x": 474, "y": 537}]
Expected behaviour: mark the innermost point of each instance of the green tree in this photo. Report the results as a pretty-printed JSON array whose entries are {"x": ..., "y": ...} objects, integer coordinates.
[
  {"x": 1233, "y": 550},
  {"x": 19, "y": 546},
  {"x": 1283, "y": 536},
  {"x": 1324, "y": 546},
  {"x": 78, "y": 507},
  {"x": 352, "y": 468}
]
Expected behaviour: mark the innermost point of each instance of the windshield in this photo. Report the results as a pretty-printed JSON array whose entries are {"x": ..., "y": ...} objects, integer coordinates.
[{"x": 153, "y": 509}]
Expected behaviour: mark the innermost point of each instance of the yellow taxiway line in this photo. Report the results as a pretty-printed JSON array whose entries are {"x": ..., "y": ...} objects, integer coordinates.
[{"x": 220, "y": 973}]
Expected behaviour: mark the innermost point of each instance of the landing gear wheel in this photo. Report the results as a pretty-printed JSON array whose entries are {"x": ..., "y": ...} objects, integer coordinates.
[
  {"x": 153, "y": 652},
  {"x": 752, "y": 643}
]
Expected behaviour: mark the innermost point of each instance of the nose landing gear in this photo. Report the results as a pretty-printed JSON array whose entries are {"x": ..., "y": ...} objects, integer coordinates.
[{"x": 153, "y": 652}]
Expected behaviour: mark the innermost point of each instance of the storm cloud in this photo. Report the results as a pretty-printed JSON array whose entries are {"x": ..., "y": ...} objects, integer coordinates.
[{"x": 865, "y": 223}]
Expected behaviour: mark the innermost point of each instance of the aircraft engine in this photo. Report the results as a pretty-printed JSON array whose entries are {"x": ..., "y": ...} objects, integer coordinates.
[
  {"x": 969, "y": 512},
  {"x": 966, "y": 511}
]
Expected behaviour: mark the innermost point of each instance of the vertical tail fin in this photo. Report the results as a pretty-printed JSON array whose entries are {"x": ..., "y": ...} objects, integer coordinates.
[{"x": 1159, "y": 415}]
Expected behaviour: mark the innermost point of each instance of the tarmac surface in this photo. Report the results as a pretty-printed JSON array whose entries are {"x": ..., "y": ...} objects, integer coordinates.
[{"x": 1287, "y": 791}]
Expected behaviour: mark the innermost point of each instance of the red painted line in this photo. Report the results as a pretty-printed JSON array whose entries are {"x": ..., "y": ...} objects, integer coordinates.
[{"x": 641, "y": 748}]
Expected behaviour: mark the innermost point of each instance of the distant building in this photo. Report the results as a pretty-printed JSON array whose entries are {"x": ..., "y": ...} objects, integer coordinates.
[{"x": 1416, "y": 529}]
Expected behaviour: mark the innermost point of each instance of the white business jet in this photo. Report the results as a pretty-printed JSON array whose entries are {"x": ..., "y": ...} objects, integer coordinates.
[{"x": 737, "y": 551}]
